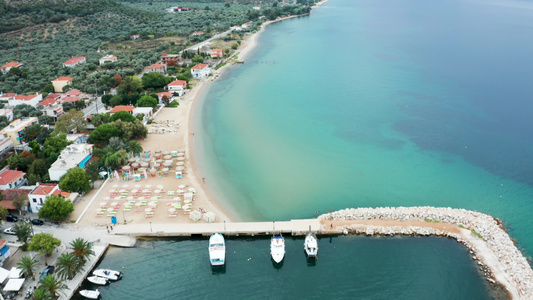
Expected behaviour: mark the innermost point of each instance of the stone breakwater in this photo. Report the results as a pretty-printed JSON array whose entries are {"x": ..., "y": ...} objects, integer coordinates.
[{"x": 481, "y": 233}]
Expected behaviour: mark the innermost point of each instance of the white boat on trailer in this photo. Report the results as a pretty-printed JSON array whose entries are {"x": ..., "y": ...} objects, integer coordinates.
[
  {"x": 90, "y": 294},
  {"x": 311, "y": 245},
  {"x": 277, "y": 248},
  {"x": 98, "y": 280},
  {"x": 217, "y": 250},
  {"x": 108, "y": 274}
]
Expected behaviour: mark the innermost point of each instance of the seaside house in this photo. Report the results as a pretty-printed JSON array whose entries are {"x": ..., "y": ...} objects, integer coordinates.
[
  {"x": 177, "y": 86},
  {"x": 128, "y": 108},
  {"x": 170, "y": 58},
  {"x": 200, "y": 71},
  {"x": 38, "y": 195},
  {"x": 5, "y": 68},
  {"x": 72, "y": 156},
  {"x": 75, "y": 61},
  {"x": 169, "y": 96},
  {"x": 11, "y": 179},
  {"x": 217, "y": 53},
  {"x": 147, "y": 113},
  {"x": 110, "y": 58},
  {"x": 159, "y": 68},
  {"x": 60, "y": 82},
  {"x": 31, "y": 100},
  {"x": 15, "y": 130}
]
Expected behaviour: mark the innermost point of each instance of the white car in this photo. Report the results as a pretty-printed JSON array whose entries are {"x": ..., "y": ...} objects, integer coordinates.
[{"x": 9, "y": 231}]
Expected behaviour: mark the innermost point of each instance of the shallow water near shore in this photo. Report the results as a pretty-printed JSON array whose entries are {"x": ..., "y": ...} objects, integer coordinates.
[
  {"x": 348, "y": 267},
  {"x": 379, "y": 103}
]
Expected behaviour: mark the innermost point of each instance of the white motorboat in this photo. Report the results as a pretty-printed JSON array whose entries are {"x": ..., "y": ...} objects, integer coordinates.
[
  {"x": 217, "y": 250},
  {"x": 108, "y": 274},
  {"x": 98, "y": 280},
  {"x": 90, "y": 294},
  {"x": 277, "y": 248},
  {"x": 311, "y": 245}
]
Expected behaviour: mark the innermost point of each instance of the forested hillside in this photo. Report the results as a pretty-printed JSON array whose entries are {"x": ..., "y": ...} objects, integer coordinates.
[{"x": 44, "y": 34}]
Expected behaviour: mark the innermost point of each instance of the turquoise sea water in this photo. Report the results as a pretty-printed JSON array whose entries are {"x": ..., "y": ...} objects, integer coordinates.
[
  {"x": 349, "y": 267},
  {"x": 379, "y": 103}
]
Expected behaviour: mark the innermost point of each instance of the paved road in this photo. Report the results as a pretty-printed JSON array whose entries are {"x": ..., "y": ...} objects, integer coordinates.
[
  {"x": 216, "y": 36},
  {"x": 92, "y": 109}
]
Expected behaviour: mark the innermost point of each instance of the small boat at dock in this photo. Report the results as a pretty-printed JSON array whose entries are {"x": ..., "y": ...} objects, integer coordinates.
[
  {"x": 311, "y": 244},
  {"x": 90, "y": 294},
  {"x": 98, "y": 280},
  {"x": 108, "y": 274},
  {"x": 277, "y": 248},
  {"x": 217, "y": 250}
]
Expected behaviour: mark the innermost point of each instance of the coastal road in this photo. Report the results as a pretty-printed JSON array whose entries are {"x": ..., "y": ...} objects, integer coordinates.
[{"x": 216, "y": 36}]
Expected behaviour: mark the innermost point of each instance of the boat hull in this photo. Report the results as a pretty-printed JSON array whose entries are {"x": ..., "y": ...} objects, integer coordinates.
[
  {"x": 277, "y": 248},
  {"x": 311, "y": 246},
  {"x": 98, "y": 280},
  {"x": 108, "y": 274},
  {"x": 217, "y": 250},
  {"x": 89, "y": 294}
]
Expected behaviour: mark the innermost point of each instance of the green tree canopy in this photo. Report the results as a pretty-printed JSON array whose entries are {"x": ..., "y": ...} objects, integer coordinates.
[
  {"x": 56, "y": 208},
  {"x": 53, "y": 146},
  {"x": 103, "y": 133},
  {"x": 52, "y": 284},
  {"x": 45, "y": 243},
  {"x": 23, "y": 231},
  {"x": 28, "y": 265},
  {"x": 73, "y": 121},
  {"x": 19, "y": 202},
  {"x": 67, "y": 265},
  {"x": 122, "y": 115},
  {"x": 82, "y": 249},
  {"x": 147, "y": 101},
  {"x": 155, "y": 80},
  {"x": 131, "y": 84},
  {"x": 131, "y": 130},
  {"x": 76, "y": 180}
]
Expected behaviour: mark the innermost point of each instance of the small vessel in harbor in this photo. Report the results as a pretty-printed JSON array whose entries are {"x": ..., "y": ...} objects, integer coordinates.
[
  {"x": 217, "y": 250},
  {"x": 108, "y": 274},
  {"x": 98, "y": 280},
  {"x": 311, "y": 244},
  {"x": 90, "y": 294},
  {"x": 277, "y": 248}
]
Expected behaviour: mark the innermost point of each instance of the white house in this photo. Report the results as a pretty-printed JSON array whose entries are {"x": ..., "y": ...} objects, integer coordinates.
[
  {"x": 5, "y": 68},
  {"x": 177, "y": 86},
  {"x": 38, "y": 195},
  {"x": 200, "y": 71},
  {"x": 107, "y": 58},
  {"x": 159, "y": 68},
  {"x": 7, "y": 112},
  {"x": 169, "y": 96},
  {"x": 148, "y": 113},
  {"x": 31, "y": 100},
  {"x": 72, "y": 156}
]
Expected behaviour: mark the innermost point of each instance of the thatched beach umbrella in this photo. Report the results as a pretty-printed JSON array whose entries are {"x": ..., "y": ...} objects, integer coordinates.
[
  {"x": 166, "y": 152},
  {"x": 167, "y": 164},
  {"x": 159, "y": 161},
  {"x": 180, "y": 168},
  {"x": 132, "y": 159},
  {"x": 165, "y": 170},
  {"x": 181, "y": 154},
  {"x": 180, "y": 158},
  {"x": 135, "y": 165},
  {"x": 180, "y": 163},
  {"x": 167, "y": 157},
  {"x": 145, "y": 164}
]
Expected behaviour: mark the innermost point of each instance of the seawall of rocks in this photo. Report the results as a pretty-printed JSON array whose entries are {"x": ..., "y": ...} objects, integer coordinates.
[{"x": 482, "y": 234}]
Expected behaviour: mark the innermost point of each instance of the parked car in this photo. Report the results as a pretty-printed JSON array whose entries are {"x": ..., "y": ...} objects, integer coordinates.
[
  {"x": 47, "y": 271},
  {"x": 37, "y": 222},
  {"x": 9, "y": 231},
  {"x": 11, "y": 218}
]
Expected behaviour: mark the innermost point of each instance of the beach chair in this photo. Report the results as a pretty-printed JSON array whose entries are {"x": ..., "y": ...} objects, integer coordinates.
[
  {"x": 127, "y": 209},
  {"x": 170, "y": 193},
  {"x": 144, "y": 202},
  {"x": 172, "y": 215},
  {"x": 138, "y": 209},
  {"x": 149, "y": 216}
]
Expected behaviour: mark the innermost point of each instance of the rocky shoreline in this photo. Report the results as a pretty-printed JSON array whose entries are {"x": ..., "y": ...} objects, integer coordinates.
[{"x": 482, "y": 234}]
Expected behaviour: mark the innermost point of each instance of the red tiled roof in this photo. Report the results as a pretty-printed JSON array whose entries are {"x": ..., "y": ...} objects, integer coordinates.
[
  {"x": 61, "y": 193},
  {"x": 156, "y": 66},
  {"x": 25, "y": 97},
  {"x": 63, "y": 78},
  {"x": 70, "y": 99},
  {"x": 12, "y": 64},
  {"x": 168, "y": 94},
  {"x": 52, "y": 96},
  {"x": 177, "y": 82},
  {"x": 12, "y": 194},
  {"x": 10, "y": 175},
  {"x": 8, "y": 204},
  {"x": 8, "y": 95},
  {"x": 74, "y": 60},
  {"x": 122, "y": 108},
  {"x": 47, "y": 102},
  {"x": 73, "y": 93},
  {"x": 200, "y": 67},
  {"x": 43, "y": 189}
]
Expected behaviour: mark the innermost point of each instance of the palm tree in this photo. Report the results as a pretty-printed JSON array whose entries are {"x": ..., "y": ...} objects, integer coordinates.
[
  {"x": 52, "y": 285},
  {"x": 42, "y": 294},
  {"x": 28, "y": 265},
  {"x": 23, "y": 231},
  {"x": 134, "y": 147},
  {"x": 68, "y": 264},
  {"x": 82, "y": 249}
]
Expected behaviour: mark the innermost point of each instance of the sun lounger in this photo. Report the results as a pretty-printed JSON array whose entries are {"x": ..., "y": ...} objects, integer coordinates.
[
  {"x": 171, "y": 215},
  {"x": 138, "y": 209},
  {"x": 149, "y": 216}
]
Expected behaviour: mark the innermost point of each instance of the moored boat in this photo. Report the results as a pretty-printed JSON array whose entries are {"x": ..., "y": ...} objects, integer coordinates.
[
  {"x": 90, "y": 294},
  {"x": 311, "y": 244},
  {"x": 277, "y": 248},
  {"x": 217, "y": 250},
  {"x": 98, "y": 280},
  {"x": 108, "y": 274}
]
